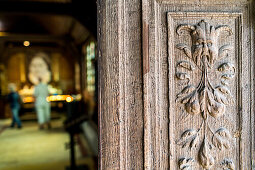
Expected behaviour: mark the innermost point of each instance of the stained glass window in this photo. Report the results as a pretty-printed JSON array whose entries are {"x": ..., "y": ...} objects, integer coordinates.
[{"x": 90, "y": 58}]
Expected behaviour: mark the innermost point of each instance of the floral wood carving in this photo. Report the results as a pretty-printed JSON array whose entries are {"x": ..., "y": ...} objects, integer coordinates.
[
  {"x": 204, "y": 99},
  {"x": 227, "y": 164},
  {"x": 185, "y": 163}
]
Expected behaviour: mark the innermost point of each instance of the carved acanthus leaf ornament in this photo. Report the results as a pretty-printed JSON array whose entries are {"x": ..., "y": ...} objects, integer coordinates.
[{"x": 204, "y": 99}]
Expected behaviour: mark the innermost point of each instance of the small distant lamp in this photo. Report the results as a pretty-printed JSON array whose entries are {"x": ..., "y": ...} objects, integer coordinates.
[{"x": 26, "y": 43}]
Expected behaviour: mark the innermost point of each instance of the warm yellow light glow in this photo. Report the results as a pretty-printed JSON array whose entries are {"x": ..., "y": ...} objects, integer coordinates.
[
  {"x": 26, "y": 43},
  {"x": 28, "y": 99},
  {"x": 48, "y": 99},
  {"x": 69, "y": 99},
  {"x": 3, "y": 34},
  {"x": 59, "y": 97},
  {"x": 53, "y": 98}
]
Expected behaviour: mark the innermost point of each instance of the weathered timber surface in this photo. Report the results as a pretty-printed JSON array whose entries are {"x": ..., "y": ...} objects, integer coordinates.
[
  {"x": 176, "y": 84},
  {"x": 190, "y": 121},
  {"x": 120, "y": 86}
]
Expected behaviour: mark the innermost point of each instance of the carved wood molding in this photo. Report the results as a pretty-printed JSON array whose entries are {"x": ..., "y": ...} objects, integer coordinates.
[
  {"x": 166, "y": 118},
  {"x": 203, "y": 56}
]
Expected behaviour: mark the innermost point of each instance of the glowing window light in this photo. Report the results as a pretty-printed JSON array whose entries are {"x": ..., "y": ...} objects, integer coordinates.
[{"x": 90, "y": 56}]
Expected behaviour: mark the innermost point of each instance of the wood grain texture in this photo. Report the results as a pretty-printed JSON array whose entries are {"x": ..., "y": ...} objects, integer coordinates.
[
  {"x": 140, "y": 121},
  {"x": 163, "y": 122},
  {"x": 120, "y": 86},
  {"x": 252, "y": 92}
]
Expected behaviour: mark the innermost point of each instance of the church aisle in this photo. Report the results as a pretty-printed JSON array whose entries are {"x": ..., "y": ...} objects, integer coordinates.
[{"x": 30, "y": 148}]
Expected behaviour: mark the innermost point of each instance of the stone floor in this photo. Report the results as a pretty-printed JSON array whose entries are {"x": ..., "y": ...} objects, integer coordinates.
[{"x": 32, "y": 149}]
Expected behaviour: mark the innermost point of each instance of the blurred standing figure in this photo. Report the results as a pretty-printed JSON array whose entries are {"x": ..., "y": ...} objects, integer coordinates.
[
  {"x": 14, "y": 99},
  {"x": 41, "y": 105}
]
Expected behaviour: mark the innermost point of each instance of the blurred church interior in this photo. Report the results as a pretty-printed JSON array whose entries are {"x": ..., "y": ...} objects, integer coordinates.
[{"x": 64, "y": 31}]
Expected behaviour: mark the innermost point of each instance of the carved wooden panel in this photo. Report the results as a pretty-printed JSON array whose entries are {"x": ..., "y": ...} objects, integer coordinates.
[
  {"x": 198, "y": 86},
  {"x": 204, "y": 49},
  {"x": 185, "y": 100}
]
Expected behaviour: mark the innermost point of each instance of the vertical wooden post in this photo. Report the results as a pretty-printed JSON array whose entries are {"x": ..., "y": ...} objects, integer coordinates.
[{"x": 120, "y": 84}]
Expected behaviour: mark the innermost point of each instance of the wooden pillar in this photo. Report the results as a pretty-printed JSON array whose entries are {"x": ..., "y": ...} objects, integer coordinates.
[{"x": 120, "y": 85}]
